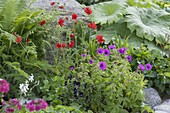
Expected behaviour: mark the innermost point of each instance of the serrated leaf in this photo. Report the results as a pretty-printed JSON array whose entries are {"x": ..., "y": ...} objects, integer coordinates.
[
  {"x": 107, "y": 12},
  {"x": 151, "y": 24}
]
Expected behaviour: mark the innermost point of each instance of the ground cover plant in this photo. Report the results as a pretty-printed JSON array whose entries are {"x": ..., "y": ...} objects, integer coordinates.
[{"x": 55, "y": 63}]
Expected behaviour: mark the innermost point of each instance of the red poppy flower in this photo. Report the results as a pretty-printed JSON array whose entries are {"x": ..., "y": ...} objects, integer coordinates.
[
  {"x": 100, "y": 38},
  {"x": 72, "y": 35},
  {"x": 27, "y": 40},
  {"x": 88, "y": 10},
  {"x": 58, "y": 45},
  {"x": 18, "y": 39},
  {"x": 71, "y": 44},
  {"x": 63, "y": 45},
  {"x": 61, "y": 7},
  {"x": 61, "y": 22},
  {"x": 66, "y": 17},
  {"x": 52, "y": 3},
  {"x": 43, "y": 22},
  {"x": 74, "y": 16},
  {"x": 92, "y": 25}
]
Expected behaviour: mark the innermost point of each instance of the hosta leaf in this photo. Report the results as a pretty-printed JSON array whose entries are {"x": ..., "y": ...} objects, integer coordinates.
[
  {"x": 107, "y": 12},
  {"x": 151, "y": 24}
]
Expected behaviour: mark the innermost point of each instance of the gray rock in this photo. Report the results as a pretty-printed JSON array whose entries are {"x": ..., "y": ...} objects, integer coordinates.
[
  {"x": 166, "y": 102},
  {"x": 160, "y": 112},
  {"x": 69, "y": 5},
  {"x": 152, "y": 97},
  {"x": 165, "y": 108}
]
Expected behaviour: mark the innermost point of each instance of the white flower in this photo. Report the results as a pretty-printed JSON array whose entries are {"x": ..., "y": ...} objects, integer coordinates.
[
  {"x": 31, "y": 78},
  {"x": 24, "y": 88}
]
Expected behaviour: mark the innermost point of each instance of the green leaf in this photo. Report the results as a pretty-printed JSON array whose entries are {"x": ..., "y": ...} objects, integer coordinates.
[
  {"x": 167, "y": 74},
  {"x": 151, "y": 24},
  {"x": 107, "y": 12}
]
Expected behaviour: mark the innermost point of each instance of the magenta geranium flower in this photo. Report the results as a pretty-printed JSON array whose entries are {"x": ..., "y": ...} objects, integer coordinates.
[
  {"x": 4, "y": 86},
  {"x": 36, "y": 105}
]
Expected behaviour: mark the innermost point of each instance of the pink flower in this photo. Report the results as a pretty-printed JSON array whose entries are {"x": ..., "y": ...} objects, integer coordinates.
[
  {"x": 4, "y": 86},
  {"x": 37, "y": 105},
  {"x": 30, "y": 107},
  {"x": 9, "y": 110}
]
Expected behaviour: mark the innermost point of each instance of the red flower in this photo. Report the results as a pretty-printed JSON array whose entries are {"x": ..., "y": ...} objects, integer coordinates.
[
  {"x": 63, "y": 45},
  {"x": 18, "y": 39},
  {"x": 72, "y": 35},
  {"x": 61, "y": 7},
  {"x": 27, "y": 40},
  {"x": 100, "y": 38},
  {"x": 88, "y": 10},
  {"x": 66, "y": 17},
  {"x": 58, "y": 45},
  {"x": 92, "y": 25},
  {"x": 74, "y": 16},
  {"x": 42, "y": 22},
  {"x": 52, "y": 3},
  {"x": 71, "y": 44},
  {"x": 61, "y": 22}
]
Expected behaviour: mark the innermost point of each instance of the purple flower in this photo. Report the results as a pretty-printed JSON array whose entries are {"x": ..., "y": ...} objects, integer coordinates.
[
  {"x": 83, "y": 55},
  {"x": 106, "y": 52},
  {"x": 142, "y": 67},
  {"x": 129, "y": 58},
  {"x": 91, "y": 61},
  {"x": 111, "y": 47},
  {"x": 102, "y": 65},
  {"x": 148, "y": 66},
  {"x": 72, "y": 67},
  {"x": 100, "y": 51},
  {"x": 122, "y": 50}
]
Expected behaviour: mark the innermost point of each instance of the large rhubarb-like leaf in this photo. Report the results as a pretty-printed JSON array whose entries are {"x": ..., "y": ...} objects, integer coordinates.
[
  {"x": 107, "y": 12},
  {"x": 150, "y": 24}
]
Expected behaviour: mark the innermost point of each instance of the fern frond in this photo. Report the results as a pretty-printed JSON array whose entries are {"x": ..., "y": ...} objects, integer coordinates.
[
  {"x": 22, "y": 5},
  {"x": 9, "y": 14},
  {"x": 16, "y": 67}
]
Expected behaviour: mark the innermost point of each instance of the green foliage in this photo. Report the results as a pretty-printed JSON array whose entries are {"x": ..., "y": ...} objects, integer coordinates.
[
  {"x": 158, "y": 77},
  {"x": 141, "y": 25},
  {"x": 151, "y": 24},
  {"x": 107, "y": 12},
  {"x": 110, "y": 91},
  {"x": 19, "y": 60}
]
